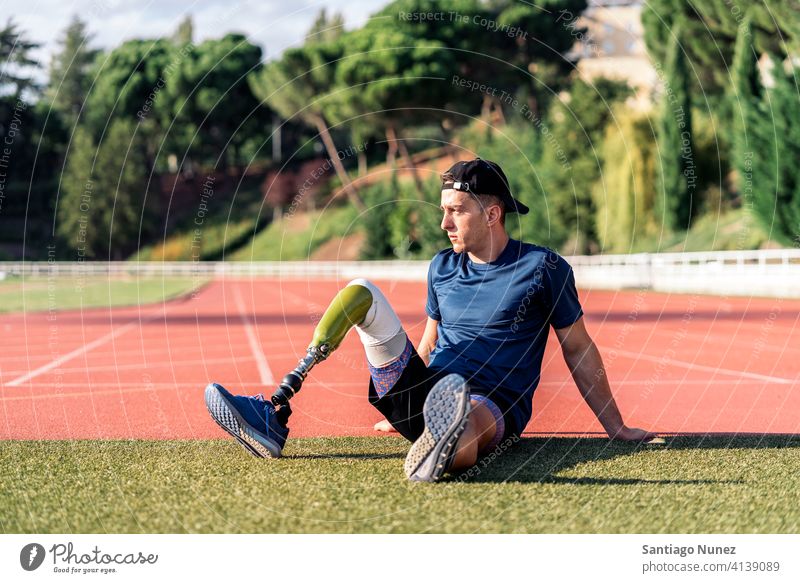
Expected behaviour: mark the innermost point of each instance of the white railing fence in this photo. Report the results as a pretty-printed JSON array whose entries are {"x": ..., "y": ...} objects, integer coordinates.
[{"x": 773, "y": 273}]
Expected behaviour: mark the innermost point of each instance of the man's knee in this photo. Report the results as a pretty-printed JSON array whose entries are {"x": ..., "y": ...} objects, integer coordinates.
[{"x": 381, "y": 331}]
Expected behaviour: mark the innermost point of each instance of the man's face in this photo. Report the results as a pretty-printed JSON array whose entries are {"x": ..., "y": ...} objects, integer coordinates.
[{"x": 464, "y": 220}]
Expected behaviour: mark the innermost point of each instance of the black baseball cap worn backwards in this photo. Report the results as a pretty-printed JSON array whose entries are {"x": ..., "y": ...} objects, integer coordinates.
[{"x": 483, "y": 177}]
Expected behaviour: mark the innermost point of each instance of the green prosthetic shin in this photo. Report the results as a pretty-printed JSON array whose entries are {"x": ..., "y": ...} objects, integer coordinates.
[{"x": 348, "y": 309}]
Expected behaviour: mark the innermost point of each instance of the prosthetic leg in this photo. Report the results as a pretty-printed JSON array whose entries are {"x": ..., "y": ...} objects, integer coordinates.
[{"x": 360, "y": 304}]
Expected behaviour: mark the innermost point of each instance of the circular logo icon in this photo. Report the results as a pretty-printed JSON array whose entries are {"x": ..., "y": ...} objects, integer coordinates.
[{"x": 31, "y": 556}]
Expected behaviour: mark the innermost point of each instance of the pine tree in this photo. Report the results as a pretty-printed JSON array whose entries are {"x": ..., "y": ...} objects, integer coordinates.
[
  {"x": 184, "y": 34},
  {"x": 744, "y": 98},
  {"x": 788, "y": 152},
  {"x": 775, "y": 175},
  {"x": 16, "y": 59},
  {"x": 766, "y": 138},
  {"x": 104, "y": 205},
  {"x": 69, "y": 71},
  {"x": 677, "y": 179},
  {"x": 325, "y": 29}
]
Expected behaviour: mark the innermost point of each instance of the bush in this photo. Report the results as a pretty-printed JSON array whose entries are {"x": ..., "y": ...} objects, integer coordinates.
[{"x": 625, "y": 198}]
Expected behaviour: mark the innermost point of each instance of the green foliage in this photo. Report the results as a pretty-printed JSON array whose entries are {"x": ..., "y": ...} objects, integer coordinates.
[
  {"x": 128, "y": 83},
  {"x": 301, "y": 86},
  {"x": 69, "y": 79},
  {"x": 231, "y": 218},
  {"x": 381, "y": 73},
  {"x": 572, "y": 157},
  {"x": 184, "y": 34},
  {"x": 209, "y": 108},
  {"x": 31, "y": 151},
  {"x": 192, "y": 101},
  {"x": 402, "y": 223},
  {"x": 538, "y": 56},
  {"x": 104, "y": 207},
  {"x": 103, "y": 291},
  {"x": 710, "y": 29},
  {"x": 296, "y": 85},
  {"x": 677, "y": 173},
  {"x": 745, "y": 95},
  {"x": 376, "y": 220},
  {"x": 296, "y": 236},
  {"x": 775, "y": 149},
  {"x": 513, "y": 47},
  {"x": 15, "y": 55},
  {"x": 325, "y": 28},
  {"x": 625, "y": 197},
  {"x": 767, "y": 141}
]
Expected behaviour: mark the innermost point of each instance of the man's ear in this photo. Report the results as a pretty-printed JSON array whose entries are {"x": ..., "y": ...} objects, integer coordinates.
[{"x": 493, "y": 214}]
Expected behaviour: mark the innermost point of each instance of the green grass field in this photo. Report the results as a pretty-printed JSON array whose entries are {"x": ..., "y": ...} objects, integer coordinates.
[
  {"x": 348, "y": 485},
  {"x": 297, "y": 237},
  {"x": 67, "y": 293}
]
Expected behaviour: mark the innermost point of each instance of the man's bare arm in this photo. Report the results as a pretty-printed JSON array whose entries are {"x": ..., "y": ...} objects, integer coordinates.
[
  {"x": 428, "y": 342},
  {"x": 586, "y": 365}
]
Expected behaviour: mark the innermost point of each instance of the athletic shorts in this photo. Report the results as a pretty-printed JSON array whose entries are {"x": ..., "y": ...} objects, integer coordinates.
[{"x": 402, "y": 402}]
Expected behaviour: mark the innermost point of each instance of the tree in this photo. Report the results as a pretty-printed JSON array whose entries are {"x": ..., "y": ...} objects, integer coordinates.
[
  {"x": 209, "y": 106},
  {"x": 325, "y": 29},
  {"x": 571, "y": 163},
  {"x": 15, "y": 57},
  {"x": 380, "y": 77},
  {"x": 744, "y": 97},
  {"x": 298, "y": 86},
  {"x": 540, "y": 45},
  {"x": 677, "y": 170},
  {"x": 625, "y": 199},
  {"x": 129, "y": 84},
  {"x": 782, "y": 203},
  {"x": 31, "y": 152},
  {"x": 710, "y": 30},
  {"x": 184, "y": 34},
  {"x": 515, "y": 47},
  {"x": 104, "y": 206},
  {"x": 766, "y": 138},
  {"x": 69, "y": 71}
]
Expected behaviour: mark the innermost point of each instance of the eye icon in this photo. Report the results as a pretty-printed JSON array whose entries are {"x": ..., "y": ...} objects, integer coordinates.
[{"x": 31, "y": 556}]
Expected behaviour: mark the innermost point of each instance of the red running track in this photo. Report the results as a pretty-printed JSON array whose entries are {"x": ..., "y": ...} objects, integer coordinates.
[{"x": 677, "y": 364}]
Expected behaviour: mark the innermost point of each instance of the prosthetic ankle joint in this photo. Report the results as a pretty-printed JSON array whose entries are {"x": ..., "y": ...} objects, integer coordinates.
[{"x": 349, "y": 308}]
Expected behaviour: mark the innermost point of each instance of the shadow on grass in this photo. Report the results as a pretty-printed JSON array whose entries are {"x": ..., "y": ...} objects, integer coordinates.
[
  {"x": 539, "y": 459},
  {"x": 355, "y": 456}
]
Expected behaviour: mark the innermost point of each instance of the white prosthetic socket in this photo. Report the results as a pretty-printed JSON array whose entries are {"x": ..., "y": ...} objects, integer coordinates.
[{"x": 381, "y": 332}]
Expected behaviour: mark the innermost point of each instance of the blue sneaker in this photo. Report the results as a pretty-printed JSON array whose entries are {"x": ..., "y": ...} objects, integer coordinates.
[
  {"x": 446, "y": 411},
  {"x": 251, "y": 420}
]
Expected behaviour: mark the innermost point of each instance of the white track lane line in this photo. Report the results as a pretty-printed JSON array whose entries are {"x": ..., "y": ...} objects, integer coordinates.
[
  {"x": 82, "y": 350},
  {"x": 264, "y": 372},
  {"x": 692, "y": 366}
]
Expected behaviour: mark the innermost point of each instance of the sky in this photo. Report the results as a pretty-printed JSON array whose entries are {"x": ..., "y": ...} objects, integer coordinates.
[{"x": 273, "y": 24}]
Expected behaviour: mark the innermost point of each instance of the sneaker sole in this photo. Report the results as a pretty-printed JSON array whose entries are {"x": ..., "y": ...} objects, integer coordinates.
[
  {"x": 226, "y": 416},
  {"x": 446, "y": 412}
]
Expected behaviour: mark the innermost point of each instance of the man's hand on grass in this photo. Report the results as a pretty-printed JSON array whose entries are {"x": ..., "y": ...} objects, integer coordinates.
[
  {"x": 384, "y": 426},
  {"x": 626, "y": 433}
]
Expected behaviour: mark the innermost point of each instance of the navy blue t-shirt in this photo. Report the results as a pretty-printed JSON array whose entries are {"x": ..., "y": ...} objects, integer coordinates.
[{"x": 494, "y": 319}]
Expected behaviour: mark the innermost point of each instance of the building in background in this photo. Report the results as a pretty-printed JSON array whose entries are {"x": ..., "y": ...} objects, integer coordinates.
[{"x": 612, "y": 46}]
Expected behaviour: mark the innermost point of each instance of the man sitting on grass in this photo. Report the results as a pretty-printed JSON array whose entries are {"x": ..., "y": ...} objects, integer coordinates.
[{"x": 470, "y": 384}]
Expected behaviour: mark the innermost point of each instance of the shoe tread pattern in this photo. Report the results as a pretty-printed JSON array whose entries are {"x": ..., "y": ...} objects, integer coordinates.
[
  {"x": 228, "y": 420},
  {"x": 446, "y": 412}
]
